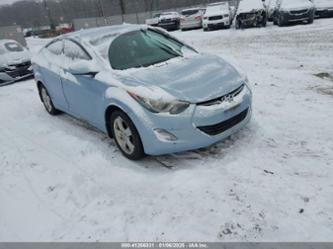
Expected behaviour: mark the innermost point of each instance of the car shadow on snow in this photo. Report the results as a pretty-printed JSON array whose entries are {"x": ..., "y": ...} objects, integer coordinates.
[{"x": 175, "y": 161}]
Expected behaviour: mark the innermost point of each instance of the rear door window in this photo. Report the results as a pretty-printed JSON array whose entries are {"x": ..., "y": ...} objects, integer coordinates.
[
  {"x": 55, "y": 48},
  {"x": 190, "y": 12},
  {"x": 74, "y": 51}
]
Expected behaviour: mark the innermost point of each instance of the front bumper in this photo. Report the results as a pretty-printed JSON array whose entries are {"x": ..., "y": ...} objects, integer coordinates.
[
  {"x": 289, "y": 17},
  {"x": 213, "y": 24},
  {"x": 327, "y": 12},
  {"x": 190, "y": 24},
  {"x": 252, "y": 19},
  {"x": 14, "y": 73},
  {"x": 189, "y": 127},
  {"x": 172, "y": 25}
]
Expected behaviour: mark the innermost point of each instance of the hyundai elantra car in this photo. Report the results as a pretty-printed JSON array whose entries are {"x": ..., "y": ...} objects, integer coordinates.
[{"x": 148, "y": 90}]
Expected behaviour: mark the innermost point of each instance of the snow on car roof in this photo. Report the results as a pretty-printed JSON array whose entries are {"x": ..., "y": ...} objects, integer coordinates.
[
  {"x": 100, "y": 32},
  {"x": 193, "y": 9},
  {"x": 250, "y": 5}
]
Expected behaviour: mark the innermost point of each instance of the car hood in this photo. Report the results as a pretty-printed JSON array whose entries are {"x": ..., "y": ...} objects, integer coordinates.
[
  {"x": 194, "y": 79},
  {"x": 214, "y": 12},
  {"x": 296, "y": 5},
  {"x": 323, "y": 4},
  {"x": 247, "y": 6},
  {"x": 14, "y": 58}
]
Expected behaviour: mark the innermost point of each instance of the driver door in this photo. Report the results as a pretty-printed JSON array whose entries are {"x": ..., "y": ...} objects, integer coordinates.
[{"x": 83, "y": 92}]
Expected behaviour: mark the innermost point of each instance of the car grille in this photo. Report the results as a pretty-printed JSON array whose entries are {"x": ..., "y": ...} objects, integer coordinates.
[
  {"x": 166, "y": 20},
  {"x": 19, "y": 70},
  {"x": 219, "y": 100},
  {"x": 212, "y": 18},
  {"x": 216, "y": 129},
  {"x": 298, "y": 12}
]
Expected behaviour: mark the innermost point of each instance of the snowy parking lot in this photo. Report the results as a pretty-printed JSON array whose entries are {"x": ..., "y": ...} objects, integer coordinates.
[{"x": 61, "y": 180}]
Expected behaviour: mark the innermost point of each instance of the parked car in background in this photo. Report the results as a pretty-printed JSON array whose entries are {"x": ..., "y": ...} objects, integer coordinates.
[
  {"x": 136, "y": 83},
  {"x": 191, "y": 18},
  {"x": 169, "y": 21},
  {"x": 14, "y": 62},
  {"x": 324, "y": 8},
  {"x": 154, "y": 21},
  {"x": 290, "y": 11},
  {"x": 251, "y": 13},
  {"x": 217, "y": 15}
]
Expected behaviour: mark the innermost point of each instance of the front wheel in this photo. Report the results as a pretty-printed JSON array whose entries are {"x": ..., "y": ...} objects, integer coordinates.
[
  {"x": 280, "y": 21},
  {"x": 47, "y": 101},
  {"x": 126, "y": 136}
]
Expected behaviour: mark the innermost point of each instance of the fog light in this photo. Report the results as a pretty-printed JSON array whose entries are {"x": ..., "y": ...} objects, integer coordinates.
[{"x": 164, "y": 135}]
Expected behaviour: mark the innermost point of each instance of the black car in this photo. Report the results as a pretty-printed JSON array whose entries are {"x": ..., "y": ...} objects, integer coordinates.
[
  {"x": 251, "y": 13},
  {"x": 291, "y": 11}
]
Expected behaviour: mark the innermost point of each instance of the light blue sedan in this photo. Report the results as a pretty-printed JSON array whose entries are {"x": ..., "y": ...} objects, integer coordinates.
[{"x": 149, "y": 91}]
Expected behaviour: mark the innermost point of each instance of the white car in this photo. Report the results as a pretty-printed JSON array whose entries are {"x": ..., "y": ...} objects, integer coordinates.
[
  {"x": 191, "y": 18},
  {"x": 217, "y": 16},
  {"x": 14, "y": 62}
]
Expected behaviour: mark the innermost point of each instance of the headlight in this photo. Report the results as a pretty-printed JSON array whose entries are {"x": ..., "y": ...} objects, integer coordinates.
[{"x": 160, "y": 106}]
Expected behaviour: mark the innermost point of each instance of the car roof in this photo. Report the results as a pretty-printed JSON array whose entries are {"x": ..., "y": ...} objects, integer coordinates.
[
  {"x": 193, "y": 9},
  {"x": 218, "y": 3},
  {"x": 96, "y": 33}
]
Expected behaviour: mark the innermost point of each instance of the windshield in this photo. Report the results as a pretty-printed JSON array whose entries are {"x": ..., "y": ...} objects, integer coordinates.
[
  {"x": 190, "y": 12},
  {"x": 143, "y": 48},
  {"x": 13, "y": 47},
  {"x": 216, "y": 8}
]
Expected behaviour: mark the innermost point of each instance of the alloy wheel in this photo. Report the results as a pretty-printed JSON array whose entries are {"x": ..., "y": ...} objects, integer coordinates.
[{"x": 123, "y": 135}]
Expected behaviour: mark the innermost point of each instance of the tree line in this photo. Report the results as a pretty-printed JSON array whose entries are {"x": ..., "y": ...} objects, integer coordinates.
[{"x": 34, "y": 13}]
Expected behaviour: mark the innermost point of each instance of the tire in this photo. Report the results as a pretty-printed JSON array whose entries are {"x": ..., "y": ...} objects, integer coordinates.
[
  {"x": 47, "y": 101},
  {"x": 311, "y": 19},
  {"x": 238, "y": 25},
  {"x": 126, "y": 136},
  {"x": 206, "y": 29},
  {"x": 280, "y": 22}
]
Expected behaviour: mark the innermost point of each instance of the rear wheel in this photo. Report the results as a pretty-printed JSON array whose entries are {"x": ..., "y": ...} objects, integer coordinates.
[
  {"x": 126, "y": 136},
  {"x": 47, "y": 101}
]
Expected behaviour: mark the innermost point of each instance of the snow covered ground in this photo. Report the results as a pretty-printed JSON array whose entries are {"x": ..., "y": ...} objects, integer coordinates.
[{"x": 61, "y": 180}]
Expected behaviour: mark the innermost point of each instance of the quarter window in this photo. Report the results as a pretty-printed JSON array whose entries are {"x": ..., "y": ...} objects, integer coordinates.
[
  {"x": 74, "y": 51},
  {"x": 55, "y": 47}
]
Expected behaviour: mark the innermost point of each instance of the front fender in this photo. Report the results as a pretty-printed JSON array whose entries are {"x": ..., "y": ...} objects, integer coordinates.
[{"x": 117, "y": 97}]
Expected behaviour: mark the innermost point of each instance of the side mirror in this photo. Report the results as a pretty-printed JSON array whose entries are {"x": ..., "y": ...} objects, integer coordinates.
[{"x": 83, "y": 67}]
